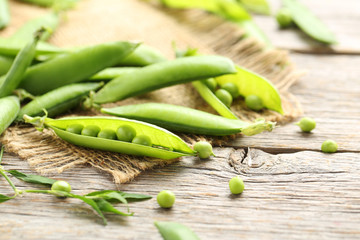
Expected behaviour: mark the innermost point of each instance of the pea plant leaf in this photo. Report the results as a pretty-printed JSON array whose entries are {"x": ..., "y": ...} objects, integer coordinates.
[
  {"x": 309, "y": 23},
  {"x": 118, "y": 196},
  {"x": 91, "y": 203},
  {"x": 30, "y": 178},
  {"x": 106, "y": 206},
  {"x": 250, "y": 83},
  {"x": 135, "y": 197},
  {"x": 4, "y": 198}
]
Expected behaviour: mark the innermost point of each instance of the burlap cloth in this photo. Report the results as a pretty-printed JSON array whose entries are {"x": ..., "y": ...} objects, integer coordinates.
[{"x": 94, "y": 21}]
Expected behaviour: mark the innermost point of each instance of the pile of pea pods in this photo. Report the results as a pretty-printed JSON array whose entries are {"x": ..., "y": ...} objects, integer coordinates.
[{"x": 57, "y": 80}]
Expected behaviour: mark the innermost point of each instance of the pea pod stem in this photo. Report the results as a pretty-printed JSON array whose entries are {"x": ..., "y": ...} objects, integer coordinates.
[{"x": 163, "y": 74}]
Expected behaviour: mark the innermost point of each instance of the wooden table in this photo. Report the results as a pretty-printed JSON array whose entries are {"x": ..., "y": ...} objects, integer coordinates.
[{"x": 293, "y": 191}]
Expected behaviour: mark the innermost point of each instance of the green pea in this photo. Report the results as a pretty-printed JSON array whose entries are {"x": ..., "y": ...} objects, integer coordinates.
[
  {"x": 62, "y": 186},
  {"x": 166, "y": 199},
  {"x": 90, "y": 130},
  {"x": 284, "y": 18},
  {"x": 125, "y": 133},
  {"x": 224, "y": 96},
  {"x": 107, "y": 133},
  {"x": 306, "y": 124},
  {"x": 236, "y": 185},
  {"x": 232, "y": 88},
  {"x": 329, "y": 146},
  {"x": 204, "y": 149},
  {"x": 75, "y": 128},
  {"x": 211, "y": 83},
  {"x": 142, "y": 140},
  {"x": 254, "y": 102}
]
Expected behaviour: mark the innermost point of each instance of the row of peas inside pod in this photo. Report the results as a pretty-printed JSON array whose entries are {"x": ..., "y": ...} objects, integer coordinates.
[{"x": 228, "y": 92}]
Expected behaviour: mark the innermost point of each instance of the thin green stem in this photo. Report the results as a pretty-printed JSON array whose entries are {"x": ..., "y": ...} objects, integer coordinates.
[
  {"x": 1, "y": 153},
  {"x": 38, "y": 191},
  {"x": 9, "y": 181},
  {"x": 2, "y": 172}
]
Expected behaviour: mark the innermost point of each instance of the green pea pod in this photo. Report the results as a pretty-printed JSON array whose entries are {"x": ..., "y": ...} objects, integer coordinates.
[
  {"x": 175, "y": 231},
  {"x": 142, "y": 56},
  {"x": 59, "y": 100},
  {"x": 163, "y": 74},
  {"x": 166, "y": 145},
  {"x": 21, "y": 63},
  {"x": 212, "y": 100},
  {"x": 63, "y": 4},
  {"x": 74, "y": 67},
  {"x": 4, "y": 14},
  {"x": 250, "y": 83},
  {"x": 12, "y": 48},
  {"x": 188, "y": 120},
  {"x": 10, "y": 107},
  {"x": 256, "y": 6},
  {"x": 5, "y": 64},
  {"x": 49, "y": 21},
  {"x": 111, "y": 73},
  {"x": 226, "y": 8},
  {"x": 308, "y": 22}
]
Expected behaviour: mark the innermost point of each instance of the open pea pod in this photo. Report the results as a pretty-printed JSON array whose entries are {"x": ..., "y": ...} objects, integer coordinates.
[
  {"x": 212, "y": 100},
  {"x": 250, "y": 83},
  {"x": 165, "y": 145},
  {"x": 308, "y": 22}
]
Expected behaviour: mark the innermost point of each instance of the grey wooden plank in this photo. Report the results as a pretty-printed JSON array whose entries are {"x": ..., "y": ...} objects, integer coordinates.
[{"x": 287, "y": 196}]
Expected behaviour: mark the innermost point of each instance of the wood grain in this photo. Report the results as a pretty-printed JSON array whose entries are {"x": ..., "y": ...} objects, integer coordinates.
[{"x": 302, "y": 195}]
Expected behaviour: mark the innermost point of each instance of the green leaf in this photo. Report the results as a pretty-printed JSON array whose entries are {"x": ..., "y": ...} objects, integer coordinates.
[
  {"x": 106, "y": 206},
  {"x": 134, "y": 197},
  {"x": 118, "y": 196},
  {"x": 257, "y": 6},
  {"x": 91, "y": 203},
  {"x": 229, "y": 9},
  {"x": 32, "y": 178},
  {"x": 4, "y": 198},
  {"x": 212, "y": 100},
  {"x": 309, "y": 23},
  {"x": 110, "y": 195},
  {"x": 250, "y": 83}
]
